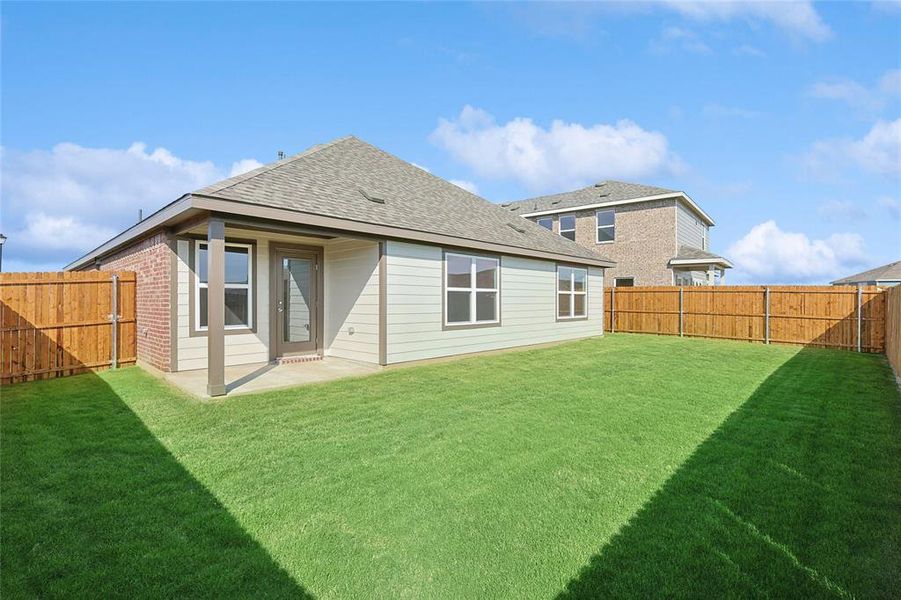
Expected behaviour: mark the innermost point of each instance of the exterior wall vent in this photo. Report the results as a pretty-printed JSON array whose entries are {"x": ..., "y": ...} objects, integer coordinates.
[{"x": 372, "y": 198}]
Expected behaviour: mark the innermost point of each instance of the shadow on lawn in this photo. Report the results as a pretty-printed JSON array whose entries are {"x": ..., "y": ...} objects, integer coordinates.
[
  {"x": 93, "y": 505},
  {"x": 797, "y": 494}
]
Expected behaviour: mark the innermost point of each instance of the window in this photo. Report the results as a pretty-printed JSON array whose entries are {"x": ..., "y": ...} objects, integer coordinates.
[
  {"x": 572, "y": 292},
  {"x": 568, "y": 227},
  {"x": 471, "y": 289},
  {"x": 547, "y": 223},
  {"x": 682, "y": 277},
  {"x": 238, "y": 282},
  {"x": 606, "y": 226},
  {"x": 624, "y": 282}
]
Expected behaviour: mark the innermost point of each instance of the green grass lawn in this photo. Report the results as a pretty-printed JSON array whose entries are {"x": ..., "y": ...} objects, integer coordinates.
[{"x": 629, "y": 466}]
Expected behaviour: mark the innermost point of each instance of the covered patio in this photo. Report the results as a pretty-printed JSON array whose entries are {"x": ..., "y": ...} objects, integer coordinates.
[
  {"x": 281, "y": 331},
  {"x": 260, "y": 377},
  {"x": 692, "y": 266}
]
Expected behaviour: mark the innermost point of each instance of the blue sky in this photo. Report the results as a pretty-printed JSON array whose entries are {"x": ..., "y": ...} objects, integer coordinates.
[{"x": 783, "y": 121}]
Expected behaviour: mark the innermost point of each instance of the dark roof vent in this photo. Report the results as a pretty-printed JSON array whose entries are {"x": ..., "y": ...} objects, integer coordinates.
[
  {"x": 372, "y": 198},
  {"x": 516, "y": 228},
  {"x": 600, "y": 184},
  {"x": 506, "y": 204},
  {"x": 554, "y": 202},
  {"x": 511, "y": 208}
]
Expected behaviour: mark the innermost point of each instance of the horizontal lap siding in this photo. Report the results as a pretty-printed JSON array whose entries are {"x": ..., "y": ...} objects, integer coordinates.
[
  {"x": 240, "y": 349},
  {"x": 352, "y": 300},
  {"x": 689, "y": 229},
  {"x": 528, "y": 307},
  {"x": 350, "y": 272}
]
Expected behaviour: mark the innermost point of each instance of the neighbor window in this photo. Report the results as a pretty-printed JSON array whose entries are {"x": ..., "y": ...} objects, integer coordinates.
[
  {"x": 471, "y": 289},
  {"x": 572, "y": 292},
  {"x": 568, "y": 227},
  {"x": 624, "y": 282},
  {"x": 606, "y": 226},
  {"x": 238, "y": 282},
  {"x": 547, "y": 223}
]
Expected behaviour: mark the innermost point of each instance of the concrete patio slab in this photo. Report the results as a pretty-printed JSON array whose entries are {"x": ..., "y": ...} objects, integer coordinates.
[{"x": 259, "y": 377}]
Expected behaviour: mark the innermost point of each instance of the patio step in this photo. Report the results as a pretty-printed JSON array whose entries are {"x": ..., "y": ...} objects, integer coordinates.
[{"x": 302, "y": 358}]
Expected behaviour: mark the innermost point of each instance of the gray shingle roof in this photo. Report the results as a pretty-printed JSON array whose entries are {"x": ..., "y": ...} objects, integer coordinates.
[
  {"x": 350, "y": 179},
  {"x": 889, "y": 272},
  {"x": 605, "y": 191},
  {"x": 689, "y": 253}
]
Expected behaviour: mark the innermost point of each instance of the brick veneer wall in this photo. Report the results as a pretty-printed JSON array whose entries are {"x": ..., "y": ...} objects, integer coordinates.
[
  {"x": 645, "y": 240},
  {"x": 151, "y": 260}
]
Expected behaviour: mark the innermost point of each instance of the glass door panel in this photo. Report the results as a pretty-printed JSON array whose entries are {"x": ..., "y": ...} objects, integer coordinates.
[{"x": 297, "y": 300}]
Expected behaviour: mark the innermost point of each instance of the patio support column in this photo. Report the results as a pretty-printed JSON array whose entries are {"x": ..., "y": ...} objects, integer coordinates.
[
  {"x": 722, "y": 276},
  {"x": 215, "y": 307},
  {"x": 711, "y": 275}
]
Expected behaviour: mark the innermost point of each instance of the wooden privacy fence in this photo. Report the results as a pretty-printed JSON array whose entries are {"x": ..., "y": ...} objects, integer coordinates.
[
  {"x": 830, "y": 316},
  {"x": 893, "y": 327},
  {"x": 57, "y": 324}
]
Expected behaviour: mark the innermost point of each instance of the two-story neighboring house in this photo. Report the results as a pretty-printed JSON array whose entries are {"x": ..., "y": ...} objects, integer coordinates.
[{"x": 656, "y": 236}]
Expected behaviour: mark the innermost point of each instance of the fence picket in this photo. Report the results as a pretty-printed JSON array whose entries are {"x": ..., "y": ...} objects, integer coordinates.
[
  {"x": 827, "y": 316},
  {"x": 57, "y": 324}
]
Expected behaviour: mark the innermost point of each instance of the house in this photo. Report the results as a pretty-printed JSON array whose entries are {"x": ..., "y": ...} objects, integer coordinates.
[
  {"x": 344, "y": 250},
  {"x": 885, "y": 276},
  {"x": 656, "y": 236}
]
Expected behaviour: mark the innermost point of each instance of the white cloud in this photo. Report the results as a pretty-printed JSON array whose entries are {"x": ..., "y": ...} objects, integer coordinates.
[
  {"x": 767, "y": 254},
  {"x": 678, "y": 38},
  {"x": 841, "y": 210},
  {"x": 565, "y": 155},
  {"x": 867, "y": 99},
  {"x": 43, "y": 231},
  {"x": 466, "y": 185},
  {"x": 891, "y": 205},
  {"x": 797, "y": 17},
  {"x": 243, "y": 166},
  {"x": 879, "y": 151},
  {"x": 61, "y": 202}
]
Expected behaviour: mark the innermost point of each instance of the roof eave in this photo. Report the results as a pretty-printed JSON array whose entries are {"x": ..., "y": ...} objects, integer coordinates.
[
  {"x": 229, "y": 206},
  {"x": 688, "y": 262},
  {"x": 170, "y": 213},
  {"x": 678, "y": 195}
]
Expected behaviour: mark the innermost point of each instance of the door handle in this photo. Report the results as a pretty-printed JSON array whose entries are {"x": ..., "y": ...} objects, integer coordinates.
[{"x": 307, "y": 326}]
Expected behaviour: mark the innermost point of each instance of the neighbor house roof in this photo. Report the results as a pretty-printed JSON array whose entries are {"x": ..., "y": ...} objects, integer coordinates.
[
  {"x": 688, "y": 256},
  {"x": 349, "y": 185},
  {"x": 605, "y": 193},
  {"x": 889, "y": 272}
]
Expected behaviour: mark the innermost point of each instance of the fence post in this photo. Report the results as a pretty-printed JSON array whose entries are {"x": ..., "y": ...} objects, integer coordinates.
[
  {"x": 114, "y": 321},
  {"x": 859, "y": 316},
  {"x": 766, "y": 325},
  {"x": 680, "y": 311},
  {"x": 613, "y": 309}
]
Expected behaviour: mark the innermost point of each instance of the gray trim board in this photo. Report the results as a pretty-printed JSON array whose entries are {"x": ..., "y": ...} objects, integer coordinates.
[
  {"x": 172, "y": 243},
  {"x": 216, "y": 307},
  {"x": 383, "y": 303}
]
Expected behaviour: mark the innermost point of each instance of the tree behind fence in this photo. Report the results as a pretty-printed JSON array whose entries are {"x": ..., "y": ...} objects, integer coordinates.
[
  {"x": 57, "y": 324},
  {"x": 827, "y": 316}
]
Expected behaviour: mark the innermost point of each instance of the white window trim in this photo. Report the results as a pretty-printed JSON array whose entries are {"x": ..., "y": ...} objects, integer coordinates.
[
  {"x": 571, "y": 293},
  {"x": 560, "y": 229},
  {"x": 598, "y": 226},
  {"x": 248, "y": 286},
  {"x": 551, "y": 219},
  {"x": 472, "y": 290}
]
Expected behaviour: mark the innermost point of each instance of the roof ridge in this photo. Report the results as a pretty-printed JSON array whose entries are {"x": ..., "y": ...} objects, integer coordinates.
[{"x": 267, "y": 168}]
